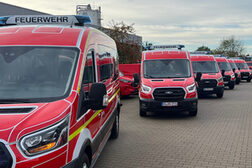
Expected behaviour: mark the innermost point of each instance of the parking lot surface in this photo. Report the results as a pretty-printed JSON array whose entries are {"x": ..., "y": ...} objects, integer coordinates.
[{"x": 220, "y": 136}]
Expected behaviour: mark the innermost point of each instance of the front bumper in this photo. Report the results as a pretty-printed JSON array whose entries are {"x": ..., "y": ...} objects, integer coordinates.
[
  {"x": 229, "y": 83},
  {"x": 210, "y": 90},
  {"x": 245, "y": 76},
  {"x": 156, "y": 106},
  {"x": 128, "y": 90}
]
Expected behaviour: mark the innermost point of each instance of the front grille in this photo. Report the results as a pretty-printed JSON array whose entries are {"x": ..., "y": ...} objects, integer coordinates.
[
  {"x": 244, "y": 74},
  {"x": 226, "y": 78},
  {"x": 5, "y": 157},
  {"x": 208, "y": 83},
  {"x": 169, "y": 94}
]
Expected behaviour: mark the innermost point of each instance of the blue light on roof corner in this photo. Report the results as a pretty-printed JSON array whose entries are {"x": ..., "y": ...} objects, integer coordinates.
[
  {"x": 83, "y": 19},
  {"x": 3, "y": 20}
]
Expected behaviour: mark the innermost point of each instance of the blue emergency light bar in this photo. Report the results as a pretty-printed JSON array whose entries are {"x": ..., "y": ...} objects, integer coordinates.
[
  {"x": 162, "y": 47},
  {"x": 200, "y": 52},
  {"x": 220, "y": 55},
  {"x": 45, "y": 19}
]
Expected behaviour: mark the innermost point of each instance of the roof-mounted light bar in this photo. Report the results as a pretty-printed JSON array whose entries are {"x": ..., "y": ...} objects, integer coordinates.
[
  {"x": 162, "y": 47},
  {"x": 200, "y": 52},
  {"x": 45, "y": 19},
  {"x": 221, "y": 55}
]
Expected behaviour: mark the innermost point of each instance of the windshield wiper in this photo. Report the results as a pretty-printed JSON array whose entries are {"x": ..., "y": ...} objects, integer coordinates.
[{"x": 148, "y": 76}]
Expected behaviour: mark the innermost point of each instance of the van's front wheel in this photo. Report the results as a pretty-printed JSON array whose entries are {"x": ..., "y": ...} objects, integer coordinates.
[
  {"x": 193, "y": 113},
  {"x": 83, "y": 161}
]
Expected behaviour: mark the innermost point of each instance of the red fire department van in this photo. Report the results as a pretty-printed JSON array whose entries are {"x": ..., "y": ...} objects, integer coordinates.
[
  {"x": 167, "y": 81},
  {"x": 59, "y": 89},
  {"x": 249, "y": 63},
  {"x": 246, "y": 74},
  {"x": 211, "y": 81},
  {"x": 236, "y": 71},
  {"x": 128, "y": 85},
  {"x": 229, "y": 76}
]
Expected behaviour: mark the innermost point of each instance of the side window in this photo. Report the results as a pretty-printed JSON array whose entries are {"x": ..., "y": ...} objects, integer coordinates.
[
  {"x": 89, "y": 71},
  {"x": 105, "y": 62},
  {"x": 88, "y": 78},
  {"x": 116, "y": 64}
]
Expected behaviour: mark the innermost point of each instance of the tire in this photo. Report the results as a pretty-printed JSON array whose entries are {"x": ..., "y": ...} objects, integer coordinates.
[
  {"x": 142, "y": 112},
  {"x": 249, "y": 79},
  {"x": 83, "y": 161},
  {"x": 115, "y": 128},
  {"x": 237, "y": 81},
  {"x": 220, "y": 94},
  {"x": 193, "y": 113},
  {"x": 231, "y": 86}
]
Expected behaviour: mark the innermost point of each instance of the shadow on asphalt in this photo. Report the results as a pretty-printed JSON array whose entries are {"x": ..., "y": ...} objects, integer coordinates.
[{"x": 168, "y": 115}]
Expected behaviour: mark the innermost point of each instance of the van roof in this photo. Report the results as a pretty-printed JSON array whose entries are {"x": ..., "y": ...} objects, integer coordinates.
[
  {"x": 165, "y": 54},
  {"x": 239, "y": 61},
  {"x": 220, "y": 59},
  {"x": 202, "y": 58},
  {"x": 40, "y": 35}
]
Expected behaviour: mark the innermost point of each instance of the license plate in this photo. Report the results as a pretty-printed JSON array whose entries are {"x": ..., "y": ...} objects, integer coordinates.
[
  {"x": 245, "y": 76},
  {"x": 208, "y": 89},
  {"x": 169, "y": 104},
  {"x": 225, "y": 82}
]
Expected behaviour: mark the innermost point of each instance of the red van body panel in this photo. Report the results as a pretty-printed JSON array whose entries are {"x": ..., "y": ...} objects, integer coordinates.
[{"x": 87, "y": 131}]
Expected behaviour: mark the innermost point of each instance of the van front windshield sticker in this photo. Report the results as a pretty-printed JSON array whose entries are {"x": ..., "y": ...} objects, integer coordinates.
[
  {"x": 36, "y": 74},
  {"x": 166, "y": 68}
]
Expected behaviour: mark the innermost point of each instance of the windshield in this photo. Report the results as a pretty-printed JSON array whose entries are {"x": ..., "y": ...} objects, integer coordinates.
[
  {"x": 166, "y": 68},
  {"x": 205, "y": 67},
  {"x": 224, "y": 66},
  {"x": 36, "y": 74},
  {"x": 242, "y": 65},
  {"x": 233, "y": 66}
]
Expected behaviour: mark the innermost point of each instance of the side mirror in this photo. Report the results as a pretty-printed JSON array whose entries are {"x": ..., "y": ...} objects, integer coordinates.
[
  {"x": 98, "y": 96},
  {"x": 239, "y": 69},
  {"x": 135, "y": 83},
  {"x": 234, "y": 70},
  {"x": 198, "y": 76},
  {"x": 223, "y": 72}
]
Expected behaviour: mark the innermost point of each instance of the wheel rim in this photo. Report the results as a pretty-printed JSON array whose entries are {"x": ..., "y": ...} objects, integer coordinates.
[{"x": 84, "y": 165}]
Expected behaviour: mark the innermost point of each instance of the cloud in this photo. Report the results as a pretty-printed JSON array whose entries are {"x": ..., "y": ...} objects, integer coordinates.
[{"x": 193, "y": 22}]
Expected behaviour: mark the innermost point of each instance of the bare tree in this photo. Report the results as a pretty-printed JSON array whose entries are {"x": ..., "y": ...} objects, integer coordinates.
[
  {"x": 231, "y": 47},
  {"x": 129, "y": 51}
]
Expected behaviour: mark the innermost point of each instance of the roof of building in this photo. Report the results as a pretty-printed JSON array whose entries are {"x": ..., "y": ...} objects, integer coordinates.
[{"x": 8, "y": 9}]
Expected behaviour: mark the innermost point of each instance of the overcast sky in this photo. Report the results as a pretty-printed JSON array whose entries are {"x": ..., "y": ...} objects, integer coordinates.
[{"x": 190, "y": 22}]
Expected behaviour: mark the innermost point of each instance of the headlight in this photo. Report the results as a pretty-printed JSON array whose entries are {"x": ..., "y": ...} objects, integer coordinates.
[
  {"x": 46, "y": 140},
  {"x": 125, "y": 81},
  {"x": 145, "y": 89},
  {"x": 220, "y": 79},
  {"x": 191, "y": 88}
]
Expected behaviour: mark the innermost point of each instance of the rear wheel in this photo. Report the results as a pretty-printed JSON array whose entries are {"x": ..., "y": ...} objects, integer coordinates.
[
  {"x": 115, "y": 129},
  {"x": 249, "y": 79},
  {"x": 193, "y": 113}
]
